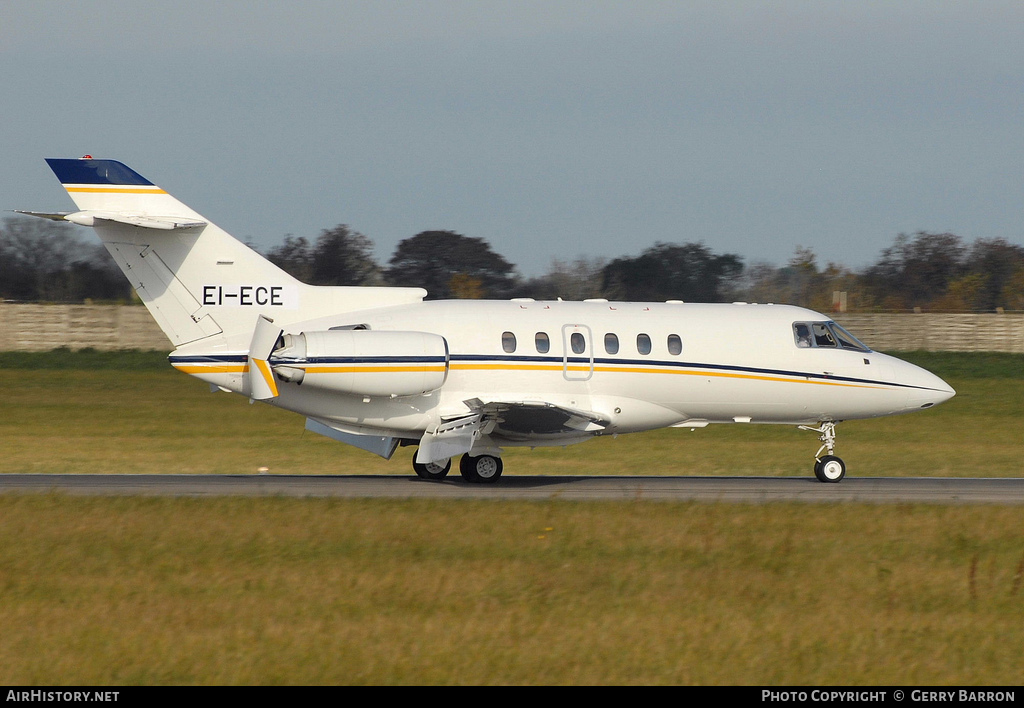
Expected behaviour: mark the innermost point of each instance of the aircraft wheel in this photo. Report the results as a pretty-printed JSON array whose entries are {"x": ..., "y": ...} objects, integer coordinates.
[
  {"x": 465, "y": 468},
  {"x": 432, "y": 470},
  {"x": 829, "y": 469},
  {"x": 483, "y": 468}
]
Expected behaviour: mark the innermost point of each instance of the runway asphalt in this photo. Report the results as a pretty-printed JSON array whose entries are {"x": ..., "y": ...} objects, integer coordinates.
[{"x": 941, "y": 490}]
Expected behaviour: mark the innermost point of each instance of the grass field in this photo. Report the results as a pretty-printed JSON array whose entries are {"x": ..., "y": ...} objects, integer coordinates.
[
  {"x": 300, "y": 591},
  {"x": 123, "y": 591},
  {"x": 103, "y": 413}
]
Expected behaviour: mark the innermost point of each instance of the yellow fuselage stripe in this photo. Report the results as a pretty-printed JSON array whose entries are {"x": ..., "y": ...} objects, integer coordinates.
[
  {"x": 371, "y": 369},
  {"x": 240, "y": 369},
  {"x": 676, "y": 372},
  {"x": 114, "y": 190},
  {"x": 212, "y": 369}
]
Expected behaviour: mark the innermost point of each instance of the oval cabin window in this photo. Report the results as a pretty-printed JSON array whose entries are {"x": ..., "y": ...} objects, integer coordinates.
[
  {"x": 611, "y": 343},
  {"x": 508, "y": 342},
  {"x": 543, "y": 343},
  {"x": 675, "y": 345},
  {"x": 578, "y": 343},
  {"x": 643, "y": 344}
]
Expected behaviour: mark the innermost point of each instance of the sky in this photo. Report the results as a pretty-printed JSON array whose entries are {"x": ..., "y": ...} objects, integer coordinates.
[{"x": 553, "y": 129}]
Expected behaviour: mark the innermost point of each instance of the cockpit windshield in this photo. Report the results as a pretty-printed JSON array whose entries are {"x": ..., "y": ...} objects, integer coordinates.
[{"x": 825, "y": 335}]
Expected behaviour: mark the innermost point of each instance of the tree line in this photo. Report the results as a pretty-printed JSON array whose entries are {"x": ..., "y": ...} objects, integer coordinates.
[{"x": 45, "y": 261}]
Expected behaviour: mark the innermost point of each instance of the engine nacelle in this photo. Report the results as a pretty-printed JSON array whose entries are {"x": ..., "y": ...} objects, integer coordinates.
[{"x": 364, "y": 362}]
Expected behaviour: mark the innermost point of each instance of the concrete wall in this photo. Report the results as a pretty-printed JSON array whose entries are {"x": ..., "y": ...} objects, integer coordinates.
[
  {"x": 938, "y": 332},
  {"x": 44, "y": 327}
]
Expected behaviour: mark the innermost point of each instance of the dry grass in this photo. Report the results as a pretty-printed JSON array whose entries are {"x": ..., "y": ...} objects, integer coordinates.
[
  {"x": 286, "y": 591},
  {"x": 103, "y": 421},
  {"x": 299, "y": 591}
]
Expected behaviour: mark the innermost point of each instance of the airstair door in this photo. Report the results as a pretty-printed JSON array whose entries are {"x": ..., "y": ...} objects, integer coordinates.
[{"x": 577, "y": 352}]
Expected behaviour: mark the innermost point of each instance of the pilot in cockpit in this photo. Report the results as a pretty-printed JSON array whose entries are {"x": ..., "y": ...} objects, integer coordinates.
[{"x": 803, "y": 335}]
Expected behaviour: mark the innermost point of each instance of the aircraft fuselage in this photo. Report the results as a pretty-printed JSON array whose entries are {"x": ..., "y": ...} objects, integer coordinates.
[{"x": 638, "y": 366}]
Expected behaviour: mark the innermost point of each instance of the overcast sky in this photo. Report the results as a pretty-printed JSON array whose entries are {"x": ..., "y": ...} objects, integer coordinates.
[{"x": 551, "y": 129}]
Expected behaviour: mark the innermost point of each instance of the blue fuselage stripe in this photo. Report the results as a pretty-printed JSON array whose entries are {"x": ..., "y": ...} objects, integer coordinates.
[{"x": 553, "y": 360}]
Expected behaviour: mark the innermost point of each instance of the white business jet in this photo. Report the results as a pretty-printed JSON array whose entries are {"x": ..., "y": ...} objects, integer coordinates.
[{"x": 377, "y": 367}]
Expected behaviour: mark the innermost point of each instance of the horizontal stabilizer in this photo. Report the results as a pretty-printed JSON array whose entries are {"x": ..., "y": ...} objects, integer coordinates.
[
  {"x": 89, "y": 218},
  {"x": 52, "y": 215},
  {"x": 146, "y": 222}
]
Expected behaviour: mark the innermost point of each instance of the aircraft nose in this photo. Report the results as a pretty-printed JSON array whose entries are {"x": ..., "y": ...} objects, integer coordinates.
[{"x": 925, "y": 389}]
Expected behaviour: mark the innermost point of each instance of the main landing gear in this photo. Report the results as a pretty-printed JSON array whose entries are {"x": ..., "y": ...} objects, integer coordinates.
[
  {"x": 482, "y": 468},
  {"x": 828, "y": 468},
  {"x": 432, "y": 470}
]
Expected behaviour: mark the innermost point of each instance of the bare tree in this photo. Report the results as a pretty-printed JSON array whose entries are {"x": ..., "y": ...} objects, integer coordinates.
[{"x": 48, "y": 260}]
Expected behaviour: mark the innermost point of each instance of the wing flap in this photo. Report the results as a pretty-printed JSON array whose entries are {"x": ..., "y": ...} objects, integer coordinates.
[
  {"x": 452, "y": 437},
  {"x": 523, "y": 420}
]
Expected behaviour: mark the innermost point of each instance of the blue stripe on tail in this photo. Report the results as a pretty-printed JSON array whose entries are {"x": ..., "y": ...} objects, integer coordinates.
[{"x": 87, "y": 171}]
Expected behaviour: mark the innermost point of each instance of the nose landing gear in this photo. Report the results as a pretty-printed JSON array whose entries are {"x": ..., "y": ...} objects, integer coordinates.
[{"x": 828, "y": 468}]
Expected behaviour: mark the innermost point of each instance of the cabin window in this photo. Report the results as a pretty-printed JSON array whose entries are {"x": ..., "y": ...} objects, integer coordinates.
[
  {"x": 675, "y": 345},
  {"x": 508, "y": 342},
  {"x": 578, "y": 343},
  {"x": 611, "y": 343},
  {"x": 543, "y": 343},
  {"x": 643, "y": 344}
]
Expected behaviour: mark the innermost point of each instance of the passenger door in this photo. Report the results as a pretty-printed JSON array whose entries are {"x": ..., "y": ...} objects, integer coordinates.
[{"x": 577, "y": 352}]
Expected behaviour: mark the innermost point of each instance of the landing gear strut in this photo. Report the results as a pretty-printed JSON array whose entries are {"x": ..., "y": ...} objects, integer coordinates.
[{"x": 828, "y": 468}]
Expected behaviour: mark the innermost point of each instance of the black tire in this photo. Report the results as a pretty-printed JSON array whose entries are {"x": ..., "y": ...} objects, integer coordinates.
[
  {"x": 466, "y": 468},
  {"x": 432, "y": 470},
  {"x": 830, "y": 469},
  {"x": 484, "y": 469}
]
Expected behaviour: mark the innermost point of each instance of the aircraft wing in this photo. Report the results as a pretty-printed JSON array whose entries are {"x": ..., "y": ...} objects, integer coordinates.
[
  {"x": 518, "y": 421},
  {"x": 525, "y": 420}
]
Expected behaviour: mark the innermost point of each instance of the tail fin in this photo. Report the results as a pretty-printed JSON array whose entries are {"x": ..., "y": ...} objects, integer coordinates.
[
  {"x": 196, "y": 280},
  {"x": 179, "y": 263}
]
